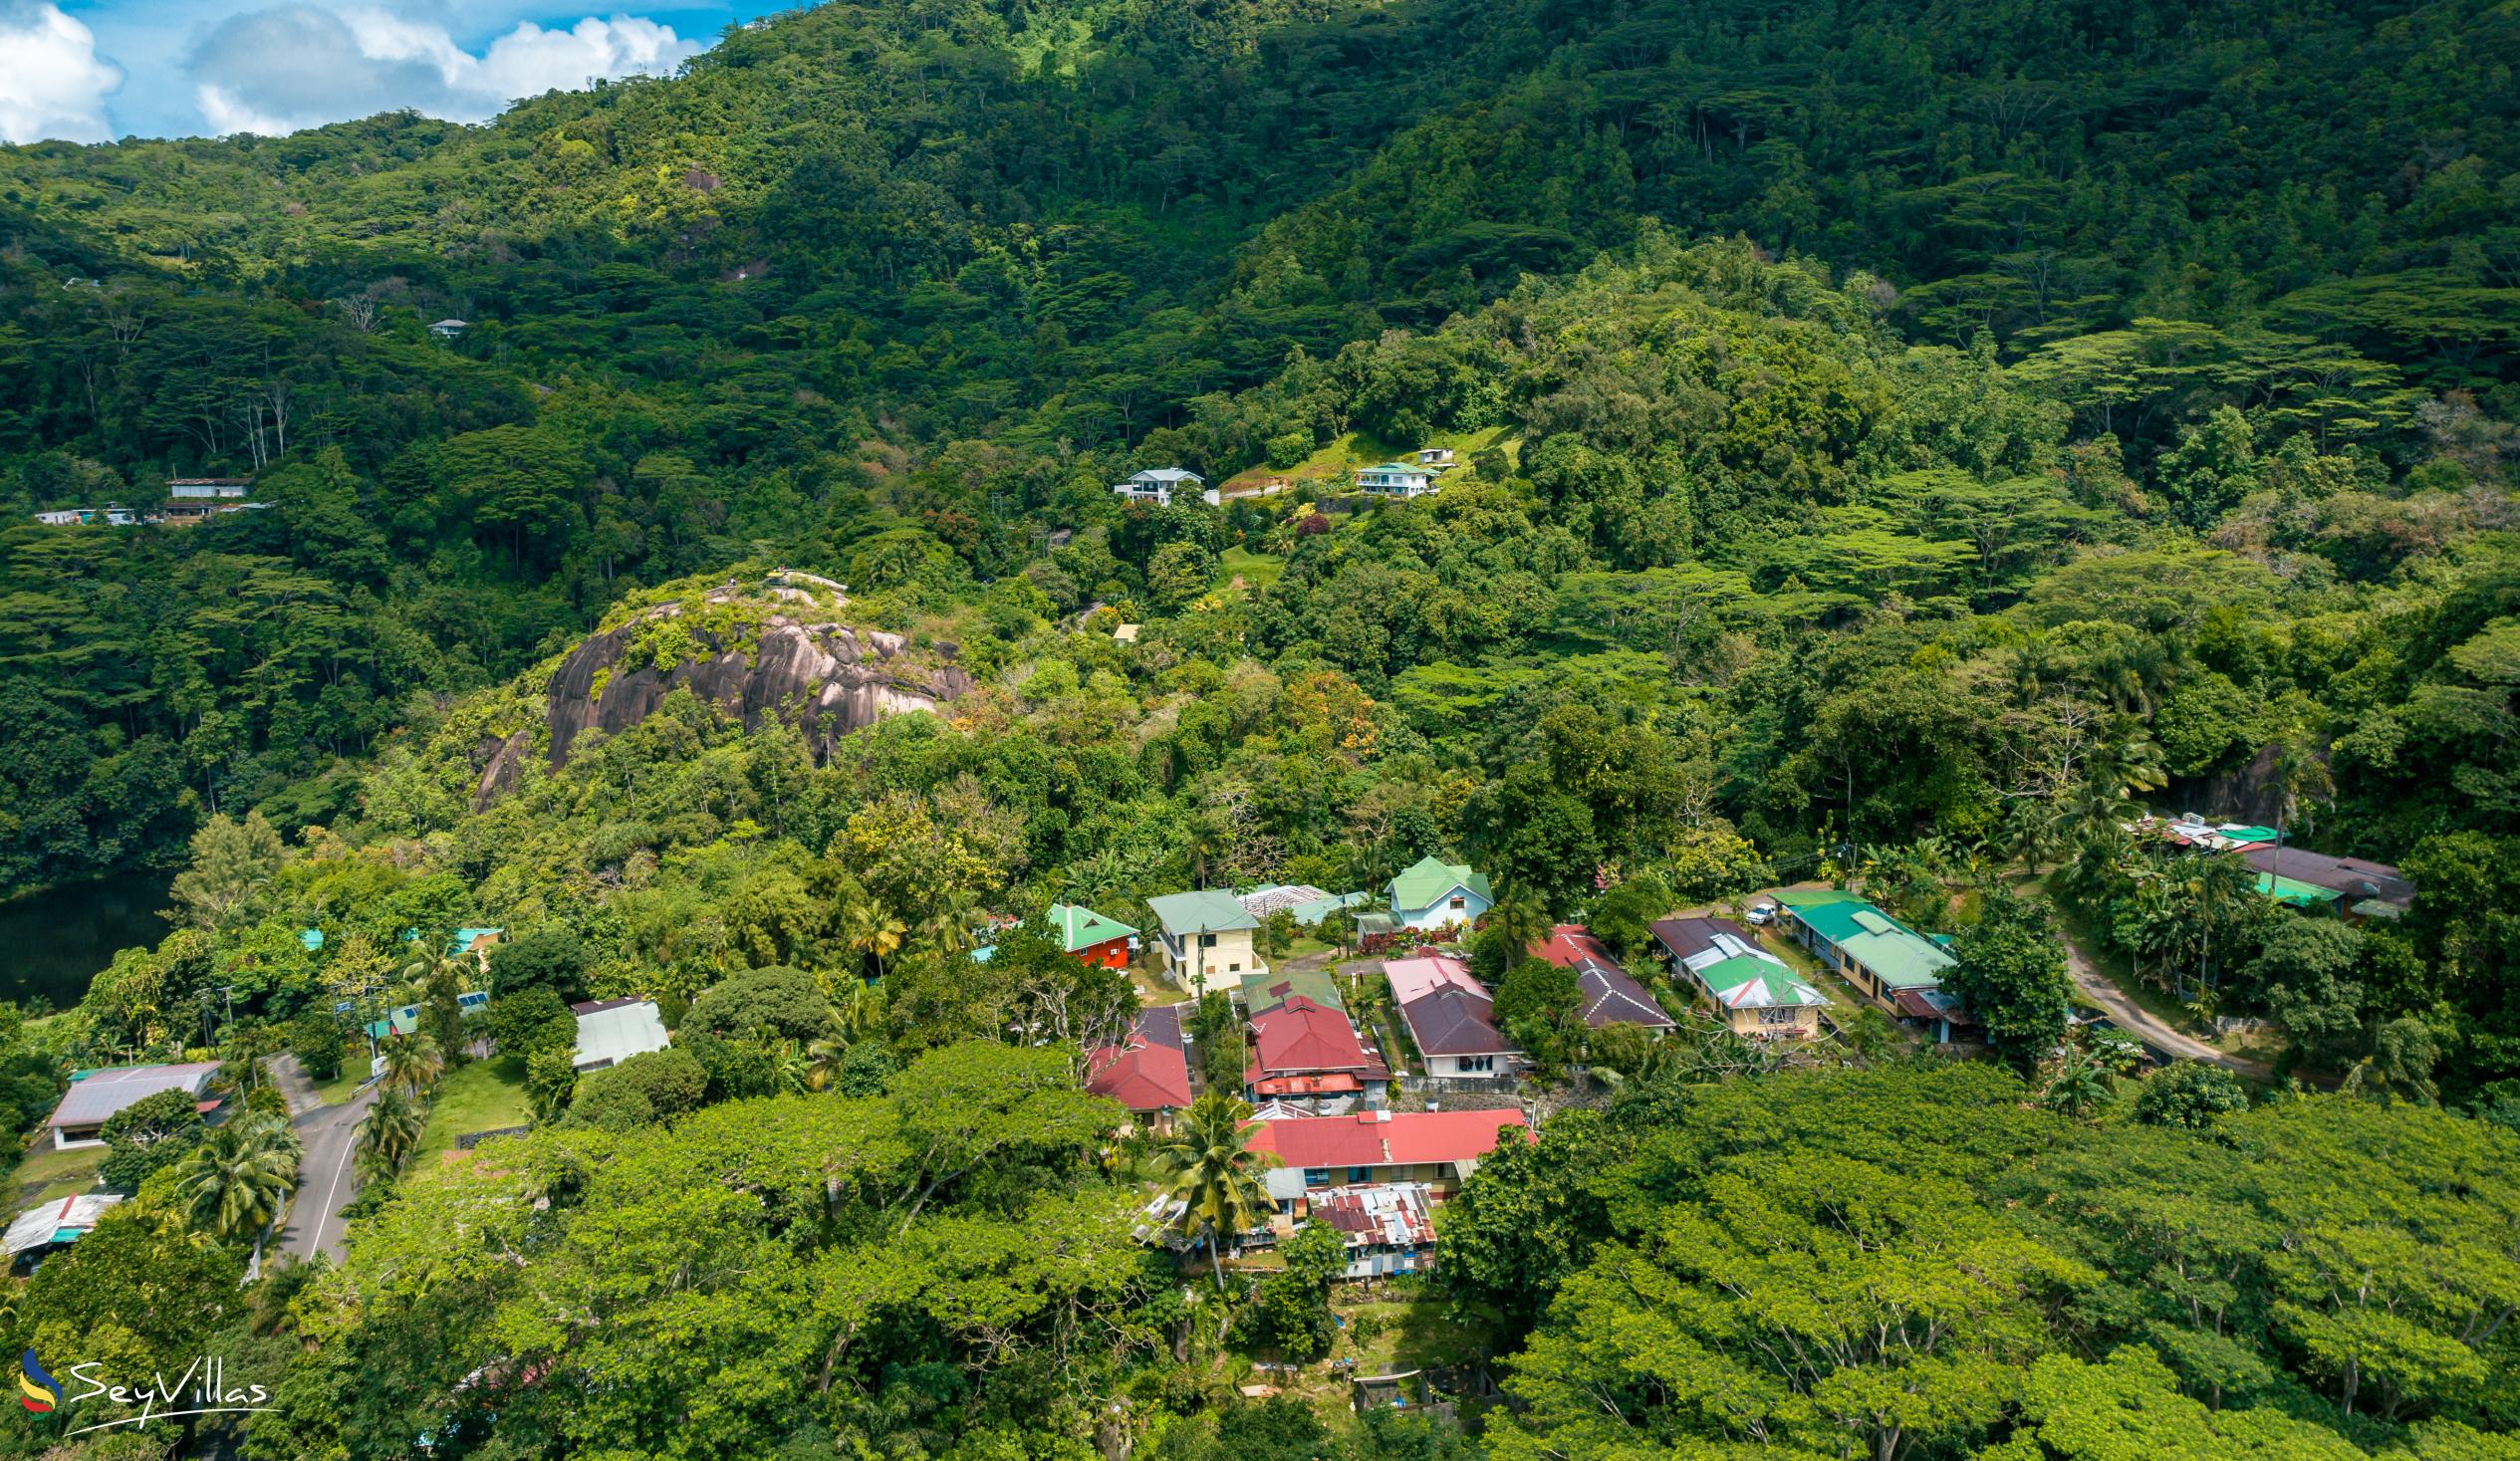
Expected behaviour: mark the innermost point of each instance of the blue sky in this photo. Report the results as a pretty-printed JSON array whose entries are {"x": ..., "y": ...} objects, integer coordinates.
[{"x": 89, "y": 70}]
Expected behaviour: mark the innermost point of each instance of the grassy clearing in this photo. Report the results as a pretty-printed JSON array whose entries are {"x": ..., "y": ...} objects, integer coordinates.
[
  {"x": 1333, "y": 467},
  {"x": 1256, "y": 570},
  {"x": 47, "y": 1174},
  {"x": 345, "y": 1085},
  {"x": 482, "y": 1096}
]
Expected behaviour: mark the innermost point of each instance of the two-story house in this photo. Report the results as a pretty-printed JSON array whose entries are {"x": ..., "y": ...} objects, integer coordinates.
[
  {"x": 1160, "y": 485},
  {"x": 1206, "y": 938},
  {"x": 1395, "y": 479}
]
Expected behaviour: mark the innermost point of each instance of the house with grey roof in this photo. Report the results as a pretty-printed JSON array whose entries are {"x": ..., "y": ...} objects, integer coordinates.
[
  {"x": 1206, "y": 937},
  {"x": 1159, "y": 485},
  {"x": 611, "y": 1031},
  {"x": 96, "y": 1095}
]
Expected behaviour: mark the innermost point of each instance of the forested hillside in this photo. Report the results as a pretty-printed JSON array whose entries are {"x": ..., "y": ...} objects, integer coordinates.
[{"x": 1897, "y": 441}]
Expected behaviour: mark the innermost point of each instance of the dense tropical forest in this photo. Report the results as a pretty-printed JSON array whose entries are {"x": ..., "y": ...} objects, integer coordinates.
[{"x": 1898, "y": 443}]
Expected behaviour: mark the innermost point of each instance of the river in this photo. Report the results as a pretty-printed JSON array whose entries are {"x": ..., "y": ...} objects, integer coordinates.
[{"x": 55, "y": 942}]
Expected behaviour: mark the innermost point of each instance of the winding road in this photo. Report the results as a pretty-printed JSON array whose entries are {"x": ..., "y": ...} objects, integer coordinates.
[
  {"x": 327, "y": 1182},
  {"x": 2146, "y": 1025}
]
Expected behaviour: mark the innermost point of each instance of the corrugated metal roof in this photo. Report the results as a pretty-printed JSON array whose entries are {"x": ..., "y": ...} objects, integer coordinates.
[
  {"x": 616, "y": 1030},
  {"x": 1202, "y": 910},
  {"x": 97, "y": 1095}
]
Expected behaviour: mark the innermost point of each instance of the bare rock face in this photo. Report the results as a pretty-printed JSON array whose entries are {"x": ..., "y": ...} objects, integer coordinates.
[
  {"x": 835, "y": 679},
  {"x": 500, "y": 773}
]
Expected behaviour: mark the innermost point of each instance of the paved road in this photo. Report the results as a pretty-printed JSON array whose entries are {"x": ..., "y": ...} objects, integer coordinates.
[
  {"x": 325, "y": 1182},
  {"x": 2146, "y": 1025}
]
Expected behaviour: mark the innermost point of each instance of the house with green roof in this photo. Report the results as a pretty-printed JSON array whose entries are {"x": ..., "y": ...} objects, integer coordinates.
[
  {"x": 1880, "y": 956},
  {"x": 1206, "y": 938},
  {"x": 1270, "y": 990},
  {"x": 1099, "y": 941},
  {"x": 1433, "y": 894}
]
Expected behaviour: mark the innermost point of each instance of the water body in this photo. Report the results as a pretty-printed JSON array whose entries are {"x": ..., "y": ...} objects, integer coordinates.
[{"x": 53, "y": 943}]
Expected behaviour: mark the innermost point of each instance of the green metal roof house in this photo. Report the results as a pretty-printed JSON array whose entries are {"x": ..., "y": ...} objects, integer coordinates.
[
  {"x": 1081, "y": 928},
  {"x": 1876, "y": 953},
  {"x": 1438, "y": 894},
  {"x": 1205, "y": 936}
]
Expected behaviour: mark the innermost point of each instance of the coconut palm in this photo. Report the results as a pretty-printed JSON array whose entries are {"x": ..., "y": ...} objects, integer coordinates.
[
  {"x": 1209, "y": 1164},
  {"x": 390, "y": 1132},
  {"x": 237, "y": 1179},
  {"x": 412, "y": 1062},
  {"x": 872, "y": 930},
  {"x": 1518, "y": 922}
]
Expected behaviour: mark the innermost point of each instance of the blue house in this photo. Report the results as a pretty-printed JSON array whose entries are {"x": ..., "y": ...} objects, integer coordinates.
[{"x": 1438, "y": 894}]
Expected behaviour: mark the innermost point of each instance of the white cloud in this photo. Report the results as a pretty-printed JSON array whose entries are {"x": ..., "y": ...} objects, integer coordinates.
[
  {"x": 51, "y": 82},
  {"x": 295, "y": 65}
]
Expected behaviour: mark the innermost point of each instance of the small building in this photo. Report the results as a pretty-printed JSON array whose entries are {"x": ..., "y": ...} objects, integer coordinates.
[
  {"x": 52, "y": 1224},
  {"x": 1387, "y": 1228},
  {"x": 1160, "y": 485},
  {"x": 611, "y": 1030},
  {"x": 95, "y": 1097},
  {"x": 64, "y": 517},
  {"x": 1148, "y": 1073},
  {"x": 1303, "y": 1053},
  {"x": 1435, "y": 458},
  {"x": 1938, "y": 1010},
  {"x": 1268, "y": 990},
  {"x": 450, "y": 329},
  {"x": 2361, "y": 887},
  {"x": 1092, "y": 938},
  {"x": 1435, "y": 894},
  {"x": 1205, "y": 935},
  {"x": 191, "y": 489},
  {"x": 1876, "y": 953},
  {"x": 476, "y": 942},
  {"x": 1395, "y": 479},
  {"x": 1454, "y": 1027},
  {"x": 1755, "y": 992},
  {"x": 1612, "y": 996},
  {"x": 400, "y": 1022},
  {"x": 1126, "y": 633},
  {"x": 1438, "y": 1148}
]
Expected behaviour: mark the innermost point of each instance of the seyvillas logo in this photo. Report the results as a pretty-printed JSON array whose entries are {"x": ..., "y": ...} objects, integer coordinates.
[
  {"x": 36, "y": 1389},
  {"x": 201, "y": 1389}
]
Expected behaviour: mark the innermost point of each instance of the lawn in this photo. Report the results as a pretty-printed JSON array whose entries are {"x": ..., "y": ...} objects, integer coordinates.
[
  {"x": 345, "y": 1085},
  {"x": 47, "y": 1173},
  {"x": 1256, "y": 570},
  {"x": 484, "y": 1095},
  {"x": 1333, "y": 468}
]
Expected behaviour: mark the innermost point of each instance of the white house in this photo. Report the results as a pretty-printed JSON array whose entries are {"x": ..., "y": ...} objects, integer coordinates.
[
  {"x": 66, "y": 517},
  {"x": 1159, "y": 485},
  {"x": 1436, "y": 458},
  {"x": 95, "y": 1095},
  {"x": 450, "y": 329},
  {"x": 611, "y": 1031},
  {"x": 1395, "y": 479},
  {"x": 183, "y": 489}
]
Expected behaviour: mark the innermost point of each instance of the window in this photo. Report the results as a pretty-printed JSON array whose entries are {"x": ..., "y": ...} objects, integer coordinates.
[
  {"x": 1233, "y": 968},
  {"x": 1360, "y": 1174},
  {"x": 1477, "y": 1064},
  {"x": 1208, "y": 940},
  {"x": 1780, "y": 1015},
  {"x": 1460, "y": 903},
  {"x": 1317, "y": 1176}
]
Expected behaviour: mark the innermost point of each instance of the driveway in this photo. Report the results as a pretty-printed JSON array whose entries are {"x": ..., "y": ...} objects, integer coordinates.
[
  {"x": 2146, "y": 1025},
  {"x": 325, "y": 1182}
]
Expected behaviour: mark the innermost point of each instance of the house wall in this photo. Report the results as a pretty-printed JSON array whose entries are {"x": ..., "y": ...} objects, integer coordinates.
[
  {"x": 1444, "y": 914},
  {"x": 1111, "y": 953},
  {"x": 1225, "y": 962},
  {"x": 1804, "y": 1024},
  {"x": 69, "y": 1139}
]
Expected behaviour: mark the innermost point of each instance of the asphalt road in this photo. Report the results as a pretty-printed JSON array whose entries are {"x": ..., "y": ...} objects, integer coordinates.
[{"x": 326, "y": 1181}]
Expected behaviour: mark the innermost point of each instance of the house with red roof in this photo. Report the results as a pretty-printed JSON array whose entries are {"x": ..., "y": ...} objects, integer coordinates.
[
  {"x": 1612, "y": 996},
  {"x": 1307, "y": 1053},
  {"x": 1452, "y": 1022},
  {"x": 1438, "y": 1148},
  {"x": 1149, "y": 1073}
]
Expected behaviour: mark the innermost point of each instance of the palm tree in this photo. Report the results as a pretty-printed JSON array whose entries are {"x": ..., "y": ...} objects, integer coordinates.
[
  {"x": 1519, "y": 922},
  {"x": 412, "y": 1062},
  {"x": 2078, "y": 1083},
  {"x": 391, "y": 1131},
  {"x": 237, "y": 1179},
  {"x": 1209, "y": 1163},
  {"x": 2301, "y": 775},
  {"x": 872, "y": 930}
]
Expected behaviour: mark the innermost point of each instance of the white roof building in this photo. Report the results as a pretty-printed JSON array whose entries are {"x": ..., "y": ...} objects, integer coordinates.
[
  {"x": 611, "y": 1031},
  {"x": 47, "y": 1223}
]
